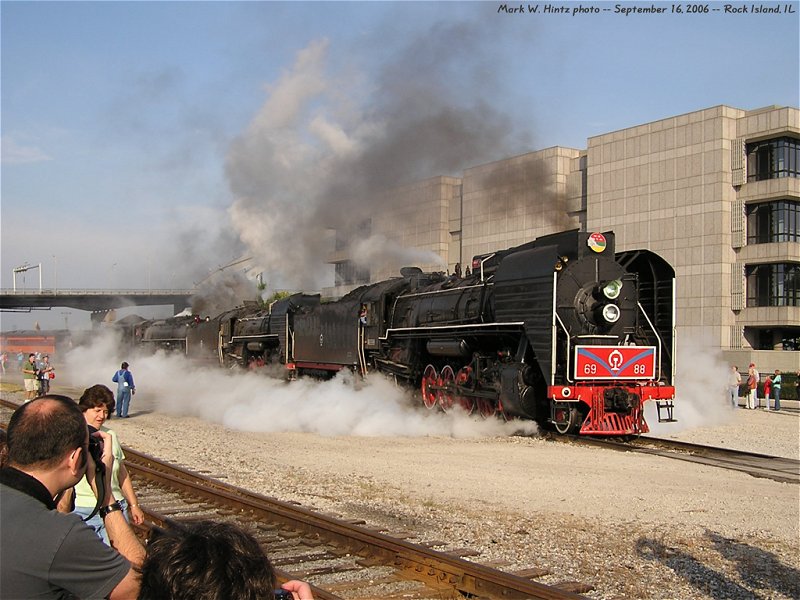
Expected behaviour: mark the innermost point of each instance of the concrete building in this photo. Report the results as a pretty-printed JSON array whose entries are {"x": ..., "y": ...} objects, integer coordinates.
[{"x": 715, "y": 192}]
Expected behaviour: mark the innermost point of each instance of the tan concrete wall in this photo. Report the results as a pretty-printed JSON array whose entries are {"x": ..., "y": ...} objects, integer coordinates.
[
  {"x": 419, "y": 218},
  {"x": 512, "y": 201}
]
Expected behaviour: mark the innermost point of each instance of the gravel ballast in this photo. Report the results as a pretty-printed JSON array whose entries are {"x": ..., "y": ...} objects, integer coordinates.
[{"x": 632, "y": 525}]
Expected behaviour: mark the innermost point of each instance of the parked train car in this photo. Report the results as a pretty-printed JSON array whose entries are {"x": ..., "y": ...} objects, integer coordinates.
[{"x": 560, "y": 330}]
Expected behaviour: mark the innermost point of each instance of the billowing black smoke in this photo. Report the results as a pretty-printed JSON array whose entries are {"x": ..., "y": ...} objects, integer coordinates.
[{"x": 324, "y": 144}]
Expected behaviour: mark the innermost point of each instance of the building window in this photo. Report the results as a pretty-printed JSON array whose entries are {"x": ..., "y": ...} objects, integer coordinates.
[
  {"x": 775, "y": 284},
  {"x": 773, "y": 159},
  {"x": 790, "y": 339},
  {"x": 348, "y": 273},
  {"x": 785, "y": 338},
  {"x": 770, "y": 222}
]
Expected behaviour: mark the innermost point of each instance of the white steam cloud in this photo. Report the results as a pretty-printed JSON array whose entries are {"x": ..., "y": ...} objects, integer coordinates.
[
  {"x": 345, "y": 405},
  {"x": 377, "y": 249},
  {"x": 701, "y": 381},
  {"x": 250, "y": 401},
  {"x": 222, "y": 291}
]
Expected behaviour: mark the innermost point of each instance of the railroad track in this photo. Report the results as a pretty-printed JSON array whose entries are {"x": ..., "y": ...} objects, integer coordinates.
[
  {"x": 765, "y": 466},
  {"x": 341, "y": 559}
]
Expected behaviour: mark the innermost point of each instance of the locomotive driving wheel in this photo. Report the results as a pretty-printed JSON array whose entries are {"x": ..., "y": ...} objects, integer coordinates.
[
  {"x": 486, "y": 408},
  {"x": 445, "y": 393},
  {"x": 429, "y": 384},
  {"x": 464, "y": 379},
  {"x": 566, "y": 419}
]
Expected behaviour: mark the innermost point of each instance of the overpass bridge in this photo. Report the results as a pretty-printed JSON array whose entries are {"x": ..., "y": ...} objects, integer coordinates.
[{"x": 99, "y": 302}]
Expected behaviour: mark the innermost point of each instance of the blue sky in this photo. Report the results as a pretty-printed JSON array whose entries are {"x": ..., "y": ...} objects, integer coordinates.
[{"x": 141, "y": 140}]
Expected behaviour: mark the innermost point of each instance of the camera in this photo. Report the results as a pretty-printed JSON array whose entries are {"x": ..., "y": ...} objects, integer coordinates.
[
  {"x": 283, "y": 595},
  {"x": 96, "y": 449}
]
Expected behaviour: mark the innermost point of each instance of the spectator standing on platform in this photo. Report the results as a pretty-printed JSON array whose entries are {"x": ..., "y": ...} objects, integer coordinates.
[
  {"x": 776, "y": 388},
  {"x": 4, "y": 361},
  {"x": 767, "y": 391},
  {"x": 45, "y": 553},
  {"x": 30, "y": 377},
  {"x": 45, "y": 370},
  {"x": 752, "y": 386},
  {"x": 734, "y": 381},
  {"x": 125, "y": 389}
]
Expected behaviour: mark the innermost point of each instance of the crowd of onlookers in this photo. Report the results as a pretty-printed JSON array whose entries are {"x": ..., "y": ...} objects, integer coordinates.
[
  {"x": 66, "y": 509},
  {"x": 754, "y": 389},
  {"x": 37, "y": 372}
]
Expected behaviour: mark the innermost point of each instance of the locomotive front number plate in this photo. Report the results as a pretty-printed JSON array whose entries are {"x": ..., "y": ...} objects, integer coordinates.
[{"x": 615, "y": 362}]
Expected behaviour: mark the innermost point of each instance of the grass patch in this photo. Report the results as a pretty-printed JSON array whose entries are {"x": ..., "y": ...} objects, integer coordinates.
[{"x": 8, "y": 386}]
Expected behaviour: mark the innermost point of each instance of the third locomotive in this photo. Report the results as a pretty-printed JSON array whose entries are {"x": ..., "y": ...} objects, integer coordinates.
[{"x": 560, "y": 330}]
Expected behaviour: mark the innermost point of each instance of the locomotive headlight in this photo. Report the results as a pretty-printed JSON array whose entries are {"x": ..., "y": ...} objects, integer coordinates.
[
  {"x": 612, "y": 289},
  {"x": 611, "y": 313}
]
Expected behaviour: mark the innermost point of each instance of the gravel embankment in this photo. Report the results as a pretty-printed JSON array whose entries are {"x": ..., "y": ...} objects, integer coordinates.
[{"x": 635, "y": 526}]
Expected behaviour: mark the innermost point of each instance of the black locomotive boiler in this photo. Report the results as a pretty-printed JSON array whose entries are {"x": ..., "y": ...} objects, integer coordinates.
[{"x": 560, "y": 330}]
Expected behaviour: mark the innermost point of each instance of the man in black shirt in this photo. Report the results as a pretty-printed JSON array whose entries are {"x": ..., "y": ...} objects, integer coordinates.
[{"x": 45, "y": 553}]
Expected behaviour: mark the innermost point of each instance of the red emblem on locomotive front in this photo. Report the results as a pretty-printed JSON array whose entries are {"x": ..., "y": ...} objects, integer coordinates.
[{"x": 597, "y": 242}]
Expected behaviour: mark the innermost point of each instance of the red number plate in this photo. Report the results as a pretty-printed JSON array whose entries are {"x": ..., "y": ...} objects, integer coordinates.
[{"x": 615, "y": 362}]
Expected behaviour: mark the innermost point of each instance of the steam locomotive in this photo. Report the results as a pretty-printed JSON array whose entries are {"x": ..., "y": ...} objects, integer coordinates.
[{"x": 560, "y": 330}]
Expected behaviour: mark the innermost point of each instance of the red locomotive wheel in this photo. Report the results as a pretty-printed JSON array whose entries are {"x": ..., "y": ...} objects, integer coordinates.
[
  {"x": 445, "y": 394},
  {"x": 429, "y": 385},
  {"x": 567, "y": 420},
  {"x": 463, "y": 378},
  {"x": 486, "y": 408},
  {"x": 465, "y": 403}
]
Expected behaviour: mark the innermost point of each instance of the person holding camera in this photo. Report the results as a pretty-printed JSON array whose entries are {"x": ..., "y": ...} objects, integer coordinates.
[
  {"x": 96, "y": 403},
  {"x": 45, "y": 553},
  {"x": 207, "y": 560}
]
